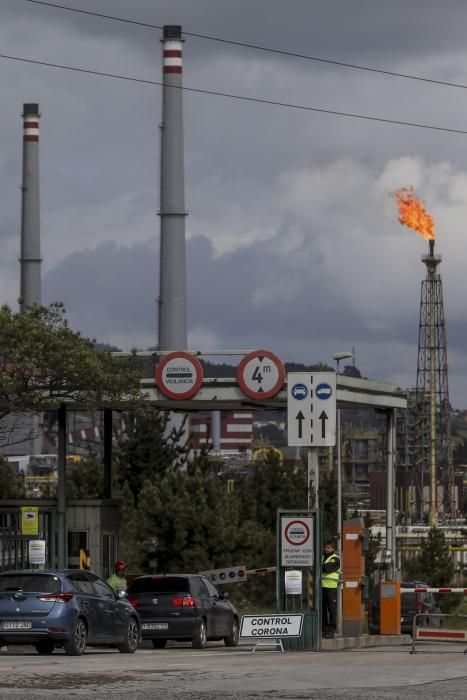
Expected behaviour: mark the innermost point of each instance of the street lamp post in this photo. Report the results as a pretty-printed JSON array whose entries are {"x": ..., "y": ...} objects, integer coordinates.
[{"x": 338, "y": 356}]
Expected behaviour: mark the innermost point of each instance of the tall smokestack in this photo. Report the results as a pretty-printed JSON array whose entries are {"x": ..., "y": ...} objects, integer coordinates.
[
  {"x": 30, "y": 257},
  {"x": 172, "y": 279}
]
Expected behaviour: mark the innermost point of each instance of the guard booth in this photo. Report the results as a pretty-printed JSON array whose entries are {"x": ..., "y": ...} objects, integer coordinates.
[
  {"x": 92, "y": 525},
  {"x": 298, "y": 573}
]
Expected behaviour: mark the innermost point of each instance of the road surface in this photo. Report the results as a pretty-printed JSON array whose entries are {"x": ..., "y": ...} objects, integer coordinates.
[{"x": 438, "y": 671}]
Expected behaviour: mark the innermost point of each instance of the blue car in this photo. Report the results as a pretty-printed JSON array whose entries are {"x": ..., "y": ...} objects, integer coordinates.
[{"x": 68, "y": 608}]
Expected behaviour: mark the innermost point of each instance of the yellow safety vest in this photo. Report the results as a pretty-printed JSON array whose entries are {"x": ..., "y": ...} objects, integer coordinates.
[
  {"x": 330, "y": 580},
  {"x": 117, "y": 582}
]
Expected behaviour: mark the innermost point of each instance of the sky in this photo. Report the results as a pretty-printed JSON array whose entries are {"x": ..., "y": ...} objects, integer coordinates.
[{"x": 293, "y": 242}]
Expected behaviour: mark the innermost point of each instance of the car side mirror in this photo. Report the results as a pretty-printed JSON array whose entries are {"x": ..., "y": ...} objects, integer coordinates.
[{"x": 223, "y": 595}]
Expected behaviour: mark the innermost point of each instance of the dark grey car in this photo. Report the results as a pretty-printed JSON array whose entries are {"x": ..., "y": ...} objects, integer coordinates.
[{"x": 183, "y": 607}]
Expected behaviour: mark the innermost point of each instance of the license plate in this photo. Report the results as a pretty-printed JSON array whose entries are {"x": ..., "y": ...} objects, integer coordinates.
[
  {"x": 17, "y": 625},
  {"x": 155, "y": 626}
]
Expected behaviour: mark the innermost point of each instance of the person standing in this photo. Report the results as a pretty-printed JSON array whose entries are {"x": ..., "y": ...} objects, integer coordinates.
[
  {"x": 330, "y": 572},
  {"x": 118, "y": 580}
]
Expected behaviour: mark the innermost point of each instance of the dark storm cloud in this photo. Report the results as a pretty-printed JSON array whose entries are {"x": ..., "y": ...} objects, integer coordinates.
[{"x": 293, "y": 241}]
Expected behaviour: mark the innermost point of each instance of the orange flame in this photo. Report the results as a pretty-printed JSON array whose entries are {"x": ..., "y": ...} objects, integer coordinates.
[{"x": 412, "y": 213}]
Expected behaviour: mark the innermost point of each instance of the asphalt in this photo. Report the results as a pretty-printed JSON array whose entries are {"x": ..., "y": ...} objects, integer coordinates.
[{"x": 438, "y": 671}]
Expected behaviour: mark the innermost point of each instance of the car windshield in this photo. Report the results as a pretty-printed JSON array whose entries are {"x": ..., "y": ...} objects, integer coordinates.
[
  {"x": 160, "y": 584},
  {"x": 30, "y": 583}
]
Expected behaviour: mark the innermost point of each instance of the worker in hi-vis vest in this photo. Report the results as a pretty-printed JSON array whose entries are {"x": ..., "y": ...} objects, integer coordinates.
[
  {"x": 118, "y": 580},
  {"x": 330, "y": 571}
]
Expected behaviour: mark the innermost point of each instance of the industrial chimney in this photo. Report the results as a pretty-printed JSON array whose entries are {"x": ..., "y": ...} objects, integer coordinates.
[
  {"x": 30, "y": 256},
  {"x": 172, "y": 279}
]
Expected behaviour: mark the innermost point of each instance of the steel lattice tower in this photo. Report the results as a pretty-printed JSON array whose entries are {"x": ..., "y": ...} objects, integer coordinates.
[{"x": 432, "y": 414}]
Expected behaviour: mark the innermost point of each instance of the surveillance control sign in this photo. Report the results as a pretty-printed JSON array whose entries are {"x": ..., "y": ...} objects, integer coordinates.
[
  {"x": 311, "y": 409},
  {"x": 179, "y": 375},
  {"x": 297, "y": 541},
  {"x": 260, "y": 374}
]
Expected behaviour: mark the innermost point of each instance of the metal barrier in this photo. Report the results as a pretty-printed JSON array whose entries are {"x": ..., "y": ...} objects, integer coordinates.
[
  {"x": 422, "y": 633},
  {"x": 433, "y": 590}
]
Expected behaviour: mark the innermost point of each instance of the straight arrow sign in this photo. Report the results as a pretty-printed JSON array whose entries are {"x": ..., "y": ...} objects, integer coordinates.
[
  {"x": 311, "y": 409},
  {"x": 323, "y": 418},
  {"x": 300, "y": 417}
]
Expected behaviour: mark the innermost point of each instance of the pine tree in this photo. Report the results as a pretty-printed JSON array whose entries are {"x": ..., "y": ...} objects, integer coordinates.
[
  {"x": 148, "y": 449},
  {"x": 11, "y": 484},
  {"x": 85, "y": 479},
  {"x": 434, "y": 565}
]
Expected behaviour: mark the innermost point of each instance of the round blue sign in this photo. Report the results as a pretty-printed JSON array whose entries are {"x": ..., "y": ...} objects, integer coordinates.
[
  {"x": 299, "y": 391},
  {"x": 323, "y": 391}
]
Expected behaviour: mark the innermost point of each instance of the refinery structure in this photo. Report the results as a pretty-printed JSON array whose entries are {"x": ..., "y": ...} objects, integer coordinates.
[{"x": 426, "y": 487}]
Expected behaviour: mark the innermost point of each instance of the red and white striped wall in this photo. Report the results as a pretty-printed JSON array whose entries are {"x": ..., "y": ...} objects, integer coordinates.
[{"x": 236, "y": 432}]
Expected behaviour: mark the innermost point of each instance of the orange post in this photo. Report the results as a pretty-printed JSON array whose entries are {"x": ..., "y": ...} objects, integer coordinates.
[
  {"x": 353, "y": 611},
  {"x": 390, "y": 607}
]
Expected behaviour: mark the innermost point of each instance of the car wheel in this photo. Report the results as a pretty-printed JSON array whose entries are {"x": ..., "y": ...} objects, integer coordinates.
[
  {"x": 45, "y": 646},
  {"x": 159, "y": 643},
  {"x": 232, "y": 639},
  {"x": 200, "y": 636},
  {"x": 131, "y": 642},
  {"x": 77, "y": 644}
]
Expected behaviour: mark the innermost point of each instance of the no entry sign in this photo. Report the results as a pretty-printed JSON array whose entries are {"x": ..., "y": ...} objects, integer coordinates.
[
  {"x": 297, "y": 541},
  {"x": 179, "y": 375}
]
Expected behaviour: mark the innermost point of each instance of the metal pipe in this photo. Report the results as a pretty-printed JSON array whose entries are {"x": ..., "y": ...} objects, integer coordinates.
[
  {"x": 390, "y": 494},
  {"x": 339, "y": 523},
  {"x": 61, "y": 489}
]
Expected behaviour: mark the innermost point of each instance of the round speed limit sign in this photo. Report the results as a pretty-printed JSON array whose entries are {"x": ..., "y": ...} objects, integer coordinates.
[{"x": 260, "y": 374}]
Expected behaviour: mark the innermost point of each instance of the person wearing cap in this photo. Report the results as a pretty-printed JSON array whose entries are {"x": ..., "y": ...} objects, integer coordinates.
[
  {"x": 118, "y": 580},
  {"x": 330, "y": 571}
]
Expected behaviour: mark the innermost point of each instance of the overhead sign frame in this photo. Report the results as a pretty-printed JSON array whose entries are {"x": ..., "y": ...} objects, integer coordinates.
[
  {"x": 179, "y": 381},
  {"x": 261, "y": 374}
]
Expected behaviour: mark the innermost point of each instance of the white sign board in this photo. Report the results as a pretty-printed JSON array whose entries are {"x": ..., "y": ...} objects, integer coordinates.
[
  {"x": 219, "y": 576},
  {"x": 271, "y": 626},
  {"x": 297, "y": 541},
  {"x": 37, "y": 552},
  {"x": 293, "y": 582},
  {"x": 311, "y": 409}
]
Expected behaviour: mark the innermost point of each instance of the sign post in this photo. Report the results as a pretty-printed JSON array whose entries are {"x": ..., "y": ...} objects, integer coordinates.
[{"x": 298, "y": 579}]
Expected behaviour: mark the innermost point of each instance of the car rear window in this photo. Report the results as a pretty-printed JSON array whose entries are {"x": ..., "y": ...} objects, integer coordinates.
[
  {"x": 37, "y": 583},
  {"x": 409, "y": 601},
  {"x": 160, "y": 584}
]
